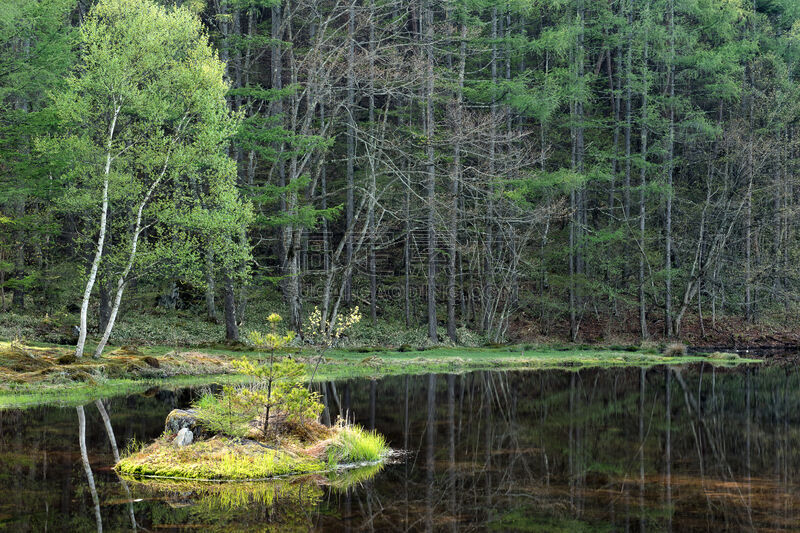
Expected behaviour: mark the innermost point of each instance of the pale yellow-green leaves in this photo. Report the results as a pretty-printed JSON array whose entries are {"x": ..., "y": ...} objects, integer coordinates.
[
  {"x": 272, "y": 340},
  {"x": 154, "y": 66}
]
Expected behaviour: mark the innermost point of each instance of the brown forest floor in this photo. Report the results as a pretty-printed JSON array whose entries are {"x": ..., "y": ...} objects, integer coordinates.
[{"x": 724, "y": 333}]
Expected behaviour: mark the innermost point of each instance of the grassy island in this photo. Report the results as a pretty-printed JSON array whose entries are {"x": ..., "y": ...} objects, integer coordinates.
[
  {"x": 263, "y": 428},
  {"x": 226, "y": 458}
]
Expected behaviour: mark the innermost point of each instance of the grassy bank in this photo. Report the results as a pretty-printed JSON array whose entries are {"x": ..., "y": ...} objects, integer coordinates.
[{"x": 37, "y": 374}]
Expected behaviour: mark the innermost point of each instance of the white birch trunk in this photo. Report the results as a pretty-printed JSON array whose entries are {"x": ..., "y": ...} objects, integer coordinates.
[
  {"x": 121, "y": 281},
  {"x": 87, "y": 293}
]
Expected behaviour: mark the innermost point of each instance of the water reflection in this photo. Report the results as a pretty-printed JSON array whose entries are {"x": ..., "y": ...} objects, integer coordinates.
[
  {"x": 683, "y": 449},
  {"x": 88, "y": 468},
  {"x": 273, "y": 506}
]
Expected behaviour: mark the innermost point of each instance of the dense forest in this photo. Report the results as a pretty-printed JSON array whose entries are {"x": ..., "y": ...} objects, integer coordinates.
[{"x": 509, "y": 168}]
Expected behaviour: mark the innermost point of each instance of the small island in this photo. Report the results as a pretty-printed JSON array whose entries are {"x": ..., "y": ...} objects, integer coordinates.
[
  {"x": 220, "y": 456},
  {"x": 264, "y": 428}
]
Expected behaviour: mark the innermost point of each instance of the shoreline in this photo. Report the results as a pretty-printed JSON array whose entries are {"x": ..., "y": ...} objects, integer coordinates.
[{"x": 124, "y": 372}]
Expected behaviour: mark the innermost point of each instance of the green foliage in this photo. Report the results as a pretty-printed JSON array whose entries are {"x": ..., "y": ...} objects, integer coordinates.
[
  {"x": 277, "y": 386},
  {"x": 326, "y": 332},
  {"x": 145, "y": 112},
  {"x": 287, "y": 393},
  {"x": 37, "y": 46},
  {"x": 229, "y": 413}
]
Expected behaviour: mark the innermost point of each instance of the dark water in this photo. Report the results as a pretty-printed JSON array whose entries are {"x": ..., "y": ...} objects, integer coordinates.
[{"x": 689, "y": 449}]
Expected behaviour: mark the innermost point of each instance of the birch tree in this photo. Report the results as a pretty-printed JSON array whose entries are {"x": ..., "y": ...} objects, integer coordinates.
[{"x": 145, "y": 107}]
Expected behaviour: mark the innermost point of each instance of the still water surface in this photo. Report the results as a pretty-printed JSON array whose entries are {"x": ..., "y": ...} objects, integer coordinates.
[{"x": 684, "y": 449}]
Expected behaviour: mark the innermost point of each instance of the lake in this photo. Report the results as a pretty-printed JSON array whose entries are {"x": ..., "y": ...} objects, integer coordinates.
[{"x": 697, "y": 448}]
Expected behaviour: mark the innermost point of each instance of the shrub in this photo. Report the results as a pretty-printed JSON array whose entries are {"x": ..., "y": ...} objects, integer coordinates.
[
  {"x": 277, "y": 390},
  {"x": 650, "y": 347},
  {"x": 280, "y": 388},
  {"x": 675, "y": 349},
  {"x": 725, "y": 356}
]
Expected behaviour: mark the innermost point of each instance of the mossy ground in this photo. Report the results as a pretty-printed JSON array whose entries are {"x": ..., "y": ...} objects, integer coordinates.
[
  {"x": 223, "y": 458},
  {"x": 216, "y": 458},
  {"x": 32, "y": 374}
]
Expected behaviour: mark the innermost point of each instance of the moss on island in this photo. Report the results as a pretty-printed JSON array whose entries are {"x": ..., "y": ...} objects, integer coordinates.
[{"x": 222, "y": 457}]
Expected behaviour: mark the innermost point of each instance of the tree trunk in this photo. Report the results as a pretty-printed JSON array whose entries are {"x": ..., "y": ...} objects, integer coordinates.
[
  {"x": 137, "y": 231},
  {"x": 431, "y": 174},
  {"x": 231, "y": 326},
  {"x": 87, "y": 293},
  {"x": 211, "y": 305},
  {"x": 326, "y": 245},
  {"x": 373, "y": 278},
  {"x": 351, "y": 144},
  {"x": 18, "y": 293},
  {"x": 106, "y": 289},
  {"x": 106, "y": 303},
  {"x": 670, "y": 168},
  {"x": 748, "y": 268},
  {"x": 642, "y": 200},
  {"x": 576, "y": 197},
  {"x": 276, "y": 110},
  {"x": 626, "y": 205},
  {"x": 454, "y": 187},
  {"x": 488, "y": 261},
  {"x": 748, "y": 283},
  {"x": 407, "y": 255},
  {"x": 580, "y": 149},
  {"x": 573, "y": 323}
]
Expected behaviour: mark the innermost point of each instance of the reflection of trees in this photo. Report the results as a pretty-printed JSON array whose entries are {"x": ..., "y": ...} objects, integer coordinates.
[
  {"x": 713, "y": 438},
  {"x": 45, "y": 486},
  {"x": 642, "y": 386},
  {"x": 430, "y": 439},
  {"x": 668, "y": 446},
  {"x": 87, "y": 468},
  {"x": 112, "y": 440},
  {"x": 562, "y": 449},
  {"x": 500, "y": 450}
]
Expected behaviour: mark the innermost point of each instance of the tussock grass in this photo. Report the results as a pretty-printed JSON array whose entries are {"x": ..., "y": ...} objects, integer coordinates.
[
  {"x": 675, "y": 349},
  {"x": 650, "y": 347},
  {"x": 724, "y": 356},
  {"x": 32, "y": 375},
  {"x": 354, "y": 444},
  {"x": 28, "y": 364}
]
